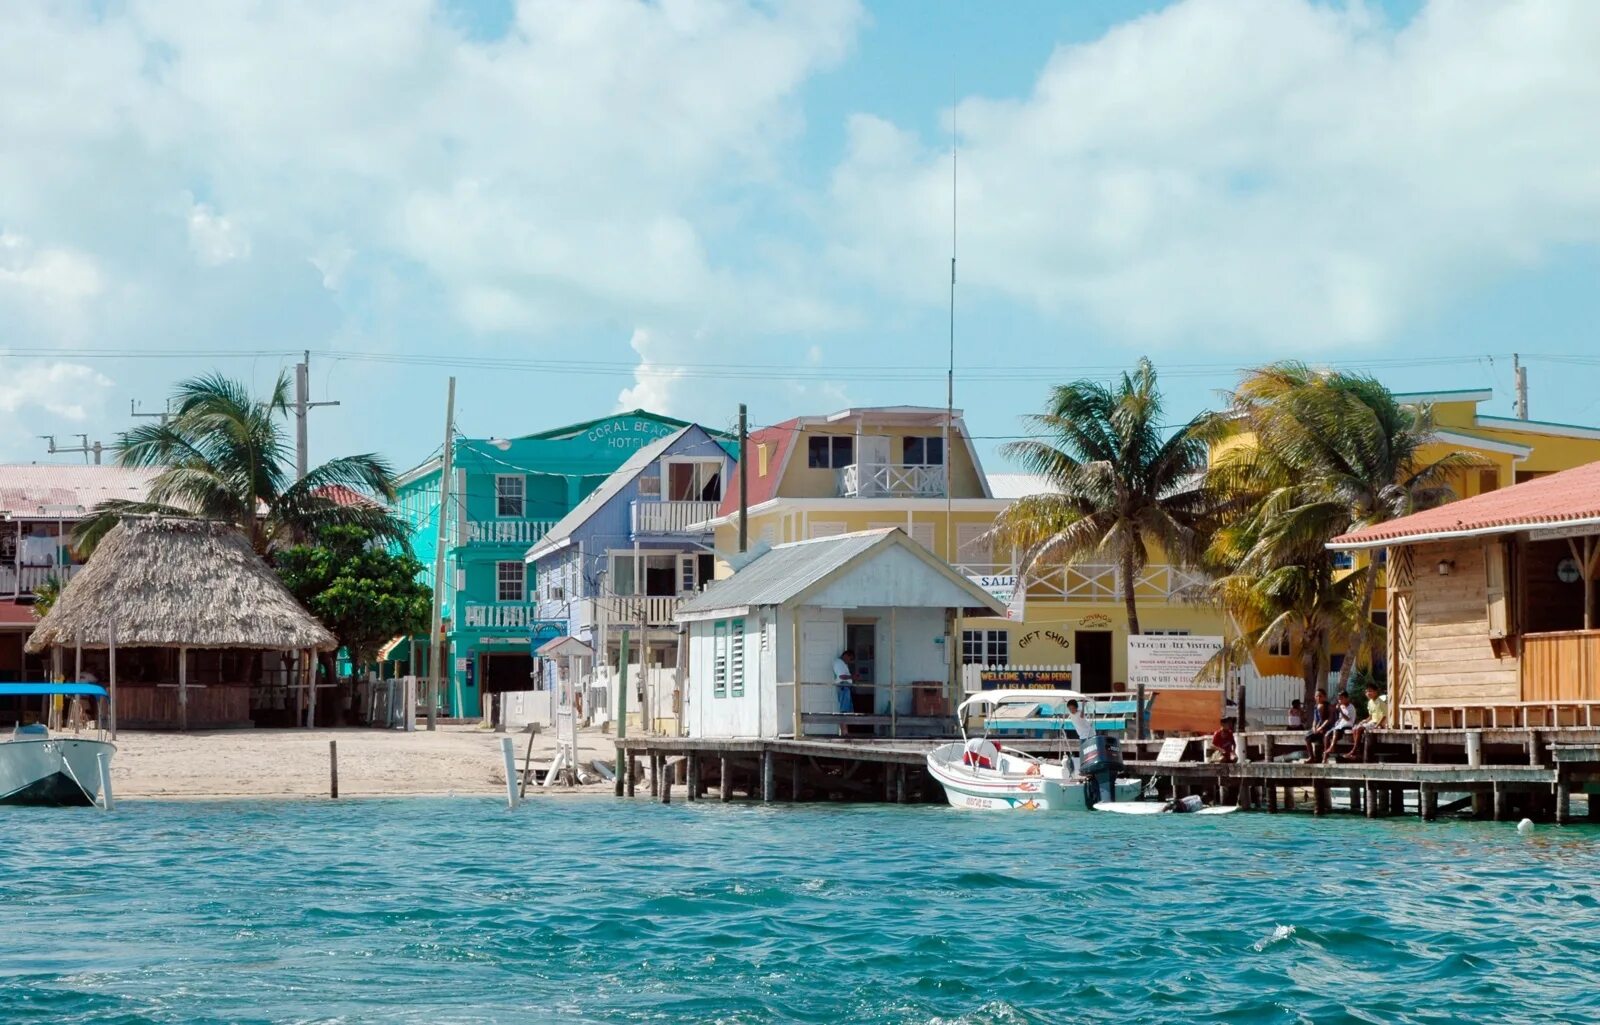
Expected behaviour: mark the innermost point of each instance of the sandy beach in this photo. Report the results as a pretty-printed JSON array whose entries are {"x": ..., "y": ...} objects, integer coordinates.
[{"x": 294, "y": 763}]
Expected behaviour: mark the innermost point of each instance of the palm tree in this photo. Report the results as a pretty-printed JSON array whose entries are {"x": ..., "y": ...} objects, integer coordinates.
[
  {"x": 1123, "y": 486},
  {"x": 1333, "y": 452},
  {"x": 224, "y": 456}
]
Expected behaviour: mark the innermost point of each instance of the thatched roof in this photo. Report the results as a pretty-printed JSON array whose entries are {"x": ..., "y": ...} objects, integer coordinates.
[{"x": 172, "y": 582}]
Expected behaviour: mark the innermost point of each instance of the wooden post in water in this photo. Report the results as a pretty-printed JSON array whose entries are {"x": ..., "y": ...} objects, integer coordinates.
[
  {"x": 1563, "y": 799},
  {"x": 508, "y": 750},
  {"x": 769, "y": 782},
  {"x": 1500, "y": 803},
  {"x": 1319, "y": 797},
  {"x": 633, "y": 774},
  {"x": 527, "y": 763},
  {"x": 899, "y": 784},
  {"x": 622, "y": 770},
  {"x": 794, "y": 779},
  {"x": 1141, "y": 726},
  {"x": 692, "y": 776},
  {"x": 107, "y": 802},
  {"x": 655, "y": 775},
  {"x": 333, "y": 770},
  {"x": 666, "y": 786},
  {"x": 725, "y": 782}
]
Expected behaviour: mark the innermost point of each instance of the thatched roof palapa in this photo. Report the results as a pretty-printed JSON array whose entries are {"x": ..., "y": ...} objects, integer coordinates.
[{"x": 179, "y": 583}]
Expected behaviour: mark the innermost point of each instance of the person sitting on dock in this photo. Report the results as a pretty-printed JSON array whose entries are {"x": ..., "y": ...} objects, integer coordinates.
[
  {"x": 1224, "y": 748},
  {"x": 1344, "y": 724},
  {"x": 1297, "y": 715},
  {"x": 844, "y": 675},
  {"x": 1377, "y": 717},
  {"x": 1321, "y": 723}
]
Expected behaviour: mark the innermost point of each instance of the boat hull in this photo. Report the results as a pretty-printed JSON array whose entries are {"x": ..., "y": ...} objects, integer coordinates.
[
  {"x": 55, "y": 772},
  {"x": 987, "y": 790}
]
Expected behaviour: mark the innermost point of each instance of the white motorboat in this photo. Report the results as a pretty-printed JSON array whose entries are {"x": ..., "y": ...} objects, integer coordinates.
[
  {"x": 41, "y": 768},
  {"x": 980, "y": 773}
]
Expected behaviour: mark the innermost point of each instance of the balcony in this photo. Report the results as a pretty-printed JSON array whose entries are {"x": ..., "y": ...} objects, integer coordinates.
[
  {"x": 26, "y": 579},
  {"x": 1092, "y": 583},
  {"x": 891, "y": 480},
  {"x": 496, "y": 616},
  {"x": 620, "y": 611},
  {"x": 672, "y": 518},
  {"x": 507, "y": 532}
]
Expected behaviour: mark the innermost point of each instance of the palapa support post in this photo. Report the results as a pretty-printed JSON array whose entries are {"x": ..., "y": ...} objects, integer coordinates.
[
  {"x": 183, "y": 688},
  {"x": 77, "y": 677},
  {"x": 311, "y": 688},
  {"x": 333, "y": 770},
  {"x": 111, "y": 683},
  {"x": 769, "y": 782}
]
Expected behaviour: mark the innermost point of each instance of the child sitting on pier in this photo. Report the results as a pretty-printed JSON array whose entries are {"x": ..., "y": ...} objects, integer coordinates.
[
  {"x": 1297, "y": 717},
  {"x": 1223, "y": 745},
  {"x": 1344, "y": 724},
  {"x": 1377, "y": 716},
  {"x": 1321, "y": 723}
]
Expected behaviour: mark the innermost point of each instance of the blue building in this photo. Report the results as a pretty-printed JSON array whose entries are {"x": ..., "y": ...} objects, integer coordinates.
[
  {"x": 636, "y": 547},
  {"x": 507, "y": 494}
]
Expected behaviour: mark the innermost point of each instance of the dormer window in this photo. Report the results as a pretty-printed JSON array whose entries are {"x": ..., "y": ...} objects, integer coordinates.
[{"x": 698, "y": 480}]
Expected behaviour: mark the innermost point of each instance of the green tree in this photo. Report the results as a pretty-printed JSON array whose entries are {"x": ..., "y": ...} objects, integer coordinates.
[
  {"x": 1123, "y": 483},
  {"x": 1332, "y": 452},
  {"x": 363, "y": 592},
  {"x": 45, "y": 594},
  {"x": 224, "y": 456}
]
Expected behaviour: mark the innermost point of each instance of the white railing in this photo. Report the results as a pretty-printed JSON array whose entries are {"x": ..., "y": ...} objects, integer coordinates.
[
  {"x": 511, "y": 615},
  {"x": 670, "y": 517},
  {"x": 26, "y": 579},
  {"x": 619, "y": 611},
  {"x": 513, "y": 532},
  {"x": 891, "y": 480},
  {"x": 1095, "y": 583}
]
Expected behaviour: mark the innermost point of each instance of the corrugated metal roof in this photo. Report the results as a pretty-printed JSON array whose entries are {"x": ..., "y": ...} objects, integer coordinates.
[
  {"x": 558, "y": 535},
  {"x": 25, "y": 489},
  {"x": 784, "y": 572},
  {"x": 1565, "y": 497},
  {"x": 1020, "y": 485}
]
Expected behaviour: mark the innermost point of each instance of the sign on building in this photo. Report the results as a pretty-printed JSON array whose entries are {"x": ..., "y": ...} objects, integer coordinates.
[
  {"x": 1164, "y": 662},
  {"x": 1002, "y": 586},
  {"x": 1025, "y": 679}
]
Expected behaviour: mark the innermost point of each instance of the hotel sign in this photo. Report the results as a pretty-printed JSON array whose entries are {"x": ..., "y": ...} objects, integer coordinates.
[
  {"x": 1558, "y": 533},
  {"x": 1172, "y": 662}
]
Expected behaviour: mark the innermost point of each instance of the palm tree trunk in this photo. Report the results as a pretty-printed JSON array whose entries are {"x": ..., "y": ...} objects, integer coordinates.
[
  {"x": 1310, "y": 668},
  {"x": 1358, "y": 636},
  {"x": 1128, "y": 600}
]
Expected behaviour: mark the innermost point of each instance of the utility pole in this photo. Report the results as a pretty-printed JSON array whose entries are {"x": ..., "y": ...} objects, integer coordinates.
[
  {"x": 303, "y": 405},
  {"x": 744, "y": 479},
  {"x": 166, "y": 411},
  {"x": 84, "y": 445},
  {"x": 436, "y": 624},
  {"x": 1520, "y": 374}
]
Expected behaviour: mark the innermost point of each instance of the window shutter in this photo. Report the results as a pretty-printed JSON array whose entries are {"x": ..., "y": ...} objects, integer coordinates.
[{"x": 1495, "y": 575}]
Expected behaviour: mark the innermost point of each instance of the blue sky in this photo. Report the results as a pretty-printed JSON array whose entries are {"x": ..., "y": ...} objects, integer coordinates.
[{"x": 661, "y": 190}]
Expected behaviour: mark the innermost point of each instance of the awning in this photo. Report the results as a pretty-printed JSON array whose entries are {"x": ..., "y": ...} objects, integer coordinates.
[{"x": 71, "y": 690}]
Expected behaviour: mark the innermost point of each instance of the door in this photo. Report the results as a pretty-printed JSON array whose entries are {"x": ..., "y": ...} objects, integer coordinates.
[
  {"x": 874, "y": 450},
  {"x": 861, "y": 640},
  {"x": 1094, "y": 660},
  {"x": 821, "y": 640},
  {"x": 872, "y": 466}
]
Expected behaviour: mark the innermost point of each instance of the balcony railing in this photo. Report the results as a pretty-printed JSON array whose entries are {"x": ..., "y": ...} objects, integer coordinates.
[
  {"x": 670, "y": 517},
  {"x": 1094, "y": 583},
  {"x": 620, "y": 611},
  {"x": 507, "y": 532},
  {"x": 891, "y": 480},
  {"x": 26, "y": 579},
  {"x": 508, "y": 616}
]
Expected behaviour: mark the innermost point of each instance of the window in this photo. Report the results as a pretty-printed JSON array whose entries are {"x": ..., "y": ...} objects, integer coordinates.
[
  {"x": 511, "y": 581},
  {"x": 924, "y": 452},
  {"x": 696, "y": 481},
  {"x": 736, "y": 659},
  {"x": 985, "y": 647},
  {"x": 1280, "y": 647},
  {"x": 649, "y": 487},
  {"x": 510, "y": 494},
  {"x": 656, "y": 575},
  {"x": 719, "y": 659},
  {"x": 830, "y": 451},
  {"x": 1165, "y": 633},
  {"x": 826, "y": 528}
]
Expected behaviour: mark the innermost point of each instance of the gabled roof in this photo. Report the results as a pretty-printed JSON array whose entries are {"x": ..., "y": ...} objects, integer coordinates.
[
  {"x": 572, "y": 430},
  {"x": 559, "y": 535},
  {"x": 1568, "y": 498},
  {"x": 779, "y": 438},
  {"x": 1473, "y": 395},
  {"x": 785, "y": 575}
]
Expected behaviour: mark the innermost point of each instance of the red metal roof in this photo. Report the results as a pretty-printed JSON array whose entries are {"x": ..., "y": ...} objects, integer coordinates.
[
  {"x": 338, "y": 494},
  {"x": 1565, "y": 497},
  {"x": 15, "y": 613},
  {"x": 778, "y": 438}
]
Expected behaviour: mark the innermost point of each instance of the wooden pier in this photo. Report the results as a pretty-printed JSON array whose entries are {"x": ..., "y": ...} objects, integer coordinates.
[{"x": 1500, "y": 774}]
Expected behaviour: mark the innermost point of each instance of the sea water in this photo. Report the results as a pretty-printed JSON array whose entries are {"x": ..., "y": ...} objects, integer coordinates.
[{"x": 594, "y": 910}]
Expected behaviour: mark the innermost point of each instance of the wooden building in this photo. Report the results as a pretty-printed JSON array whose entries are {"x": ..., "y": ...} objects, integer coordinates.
[
  {"x": 205, "y": 634},
  {"x": 1492, "y": 605}
]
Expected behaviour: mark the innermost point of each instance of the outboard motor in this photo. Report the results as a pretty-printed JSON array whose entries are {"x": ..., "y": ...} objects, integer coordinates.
[{"x": 1100, "y": 759}]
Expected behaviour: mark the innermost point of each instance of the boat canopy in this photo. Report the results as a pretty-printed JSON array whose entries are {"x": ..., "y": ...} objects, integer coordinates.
[
  {"x": 994, "y": 698},
  {"x": 71, "y": 690}
]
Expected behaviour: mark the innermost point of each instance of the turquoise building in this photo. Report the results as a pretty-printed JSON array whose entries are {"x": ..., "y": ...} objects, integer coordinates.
[{"x": 506, "y": 494}]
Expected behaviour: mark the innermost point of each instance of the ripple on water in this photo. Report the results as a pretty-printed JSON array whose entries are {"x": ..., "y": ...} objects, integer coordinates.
[{"x": 445, "y": 911}]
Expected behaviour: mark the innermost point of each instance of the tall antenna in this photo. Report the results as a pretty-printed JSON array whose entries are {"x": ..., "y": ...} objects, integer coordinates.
[{"x": 953, "y": 646}]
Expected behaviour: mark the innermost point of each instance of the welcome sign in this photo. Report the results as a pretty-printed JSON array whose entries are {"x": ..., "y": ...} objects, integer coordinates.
[{"x": 1172, "y": 662}]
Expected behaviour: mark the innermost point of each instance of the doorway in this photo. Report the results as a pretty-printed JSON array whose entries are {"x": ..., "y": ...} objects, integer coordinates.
[
  {"x": 1094, "y": 660},
  {"x": 861, "y": 640}
]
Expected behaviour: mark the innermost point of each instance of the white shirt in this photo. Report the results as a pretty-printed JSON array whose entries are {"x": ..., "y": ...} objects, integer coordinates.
[
  {"x": 1081, "y": 723},
  {"x": 842, "y": 671}
]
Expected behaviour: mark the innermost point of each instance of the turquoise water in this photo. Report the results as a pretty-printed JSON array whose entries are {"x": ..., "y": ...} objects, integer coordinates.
[{"x": 444, "y": 911}]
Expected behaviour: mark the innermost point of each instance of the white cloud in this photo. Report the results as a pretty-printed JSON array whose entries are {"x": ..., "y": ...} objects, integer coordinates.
[
  {"x": 214, "y": 238},
  {"x": 1278, "y": 170},
  {"x": 66, "y": 390},
  {"x": 661, "y": 387},
  {"x": 51, "y": 276}
]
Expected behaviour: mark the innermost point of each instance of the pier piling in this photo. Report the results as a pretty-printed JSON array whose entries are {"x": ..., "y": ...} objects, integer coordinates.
[
  {"x": 508, "y": 750},
  {"x": 725, "y": 783}
]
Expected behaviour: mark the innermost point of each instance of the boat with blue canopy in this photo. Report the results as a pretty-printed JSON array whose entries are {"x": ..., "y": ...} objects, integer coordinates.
[{"x": 60, "y": 769}]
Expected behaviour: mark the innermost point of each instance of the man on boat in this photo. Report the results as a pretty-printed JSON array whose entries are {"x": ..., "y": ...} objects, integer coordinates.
[{"x": 1082, "y": 725}]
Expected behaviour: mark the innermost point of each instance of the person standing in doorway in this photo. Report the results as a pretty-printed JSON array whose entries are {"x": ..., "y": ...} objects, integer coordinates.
[{"x": 844, "y": 675}]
